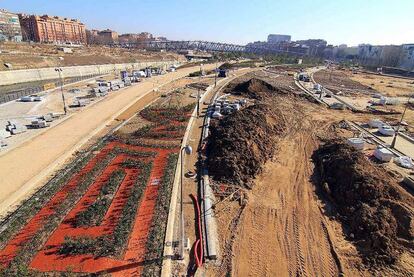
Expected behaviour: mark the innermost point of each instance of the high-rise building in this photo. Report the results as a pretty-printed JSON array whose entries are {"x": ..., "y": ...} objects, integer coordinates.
[
  {"x": 10, "y": 29},
  {"x": 52, "y": 29},
  {"x": 274, "y": 38}
]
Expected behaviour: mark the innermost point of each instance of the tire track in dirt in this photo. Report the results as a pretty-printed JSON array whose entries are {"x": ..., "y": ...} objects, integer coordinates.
[{"x": 295, "y": 242}]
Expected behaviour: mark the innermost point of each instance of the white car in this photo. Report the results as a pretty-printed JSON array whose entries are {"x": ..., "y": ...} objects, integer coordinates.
[
  {"x": 75, "y": 90},
  {"x": 36, "y": 98},
  {"x": 386, "y": 130},
  {"x": 26, "y": 99}
]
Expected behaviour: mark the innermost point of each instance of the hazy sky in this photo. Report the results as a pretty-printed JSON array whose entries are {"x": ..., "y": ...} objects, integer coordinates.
[{"x": 337, "y": 21}]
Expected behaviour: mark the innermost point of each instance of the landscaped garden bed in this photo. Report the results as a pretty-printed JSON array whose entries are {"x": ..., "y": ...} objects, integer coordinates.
[{"x": 105, "y": 210}]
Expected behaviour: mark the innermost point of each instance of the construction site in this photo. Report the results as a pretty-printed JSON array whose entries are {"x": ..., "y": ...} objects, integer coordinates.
[
  {"x": 189, "y": 173},
  {"x": 135, "y": 155}
]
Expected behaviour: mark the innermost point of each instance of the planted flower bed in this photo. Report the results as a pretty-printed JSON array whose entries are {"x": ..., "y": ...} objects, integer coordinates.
[
  {"x": 155, "y": 242},
  {"x": 105, "y": 211},
  {"x": 94, "y": 214}
]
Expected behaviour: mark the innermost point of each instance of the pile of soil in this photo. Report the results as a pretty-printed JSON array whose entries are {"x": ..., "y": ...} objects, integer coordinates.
[
  {"x": 256, "y": 89},
  {"x": 242, "y": 142},
  {"x": 372, "y": 208}
]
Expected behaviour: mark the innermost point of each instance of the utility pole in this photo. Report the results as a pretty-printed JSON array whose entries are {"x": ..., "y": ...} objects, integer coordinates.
[
  {"x": 198, "y": 102},
  {"x": 215, "y": 76},
  {"x": 198, "y": 92},
  {"x": 59, "y": 70},
  {"x": 394, "y": 140}
]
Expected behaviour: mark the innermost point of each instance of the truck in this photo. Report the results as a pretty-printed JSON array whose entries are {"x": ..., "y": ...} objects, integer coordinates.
[
  {"x": 77, "y": 102},
  {"x": 124, "y": 74},
  {"x": 148, "y": 72},
  {"x": 304, "y": 77},
  {"x": 139, "y": 74},
  {"x": 222, "y": 73},
  {"x": 116, "y": 84}
]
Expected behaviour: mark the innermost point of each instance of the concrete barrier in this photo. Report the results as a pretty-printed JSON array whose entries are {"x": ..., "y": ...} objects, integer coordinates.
[{"x": 11, "y": 77}]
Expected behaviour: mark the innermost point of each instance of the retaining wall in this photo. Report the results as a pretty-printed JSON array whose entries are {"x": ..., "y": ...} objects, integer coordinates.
[{"x": 31, "y": 75}]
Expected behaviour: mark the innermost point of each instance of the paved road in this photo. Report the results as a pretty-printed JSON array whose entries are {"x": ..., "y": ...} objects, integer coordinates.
[{"x": 25, "y": 167}]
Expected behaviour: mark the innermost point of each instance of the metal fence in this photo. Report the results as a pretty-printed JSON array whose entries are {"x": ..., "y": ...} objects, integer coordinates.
[{"x": 16, "y": 94}]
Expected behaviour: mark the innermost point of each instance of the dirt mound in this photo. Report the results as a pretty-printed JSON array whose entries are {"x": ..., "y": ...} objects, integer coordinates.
[
  {"x": 242, "y": 142},
  {"x": 256, "y": 89},
  {"x": 368, "y": 200}
]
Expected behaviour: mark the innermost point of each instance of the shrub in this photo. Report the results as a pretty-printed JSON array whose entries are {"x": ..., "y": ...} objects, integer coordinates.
[{"x": 95, "y": 212}]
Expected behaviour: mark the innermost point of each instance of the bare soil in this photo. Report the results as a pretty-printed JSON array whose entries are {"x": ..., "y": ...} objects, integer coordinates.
[
  {"x": 25, "y": 55},
  {"x": 369, "y": 200},
  {"x": 336, "y": 80},
  {"x": 283, "y": 225},
  {"x": 241, "y": 143}
]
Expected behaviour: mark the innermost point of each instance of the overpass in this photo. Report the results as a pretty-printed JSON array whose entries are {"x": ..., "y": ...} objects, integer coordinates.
[{"x": 199, "y": 45}]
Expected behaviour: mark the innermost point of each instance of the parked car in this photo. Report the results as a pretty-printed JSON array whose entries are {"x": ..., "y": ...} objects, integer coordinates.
[
  {"x": 75, "y": 90},
  {"x": 386, "y": 130},
  {"x": 36, "y": 98},
  {"x": 26, "y": 99}
]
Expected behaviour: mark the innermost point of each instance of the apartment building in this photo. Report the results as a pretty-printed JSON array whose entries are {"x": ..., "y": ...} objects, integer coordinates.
[{"x": 52, "y": 29}]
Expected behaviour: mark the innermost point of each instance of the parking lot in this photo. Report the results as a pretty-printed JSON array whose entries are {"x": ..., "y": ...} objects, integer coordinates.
[{"x": 23, "y": 113}]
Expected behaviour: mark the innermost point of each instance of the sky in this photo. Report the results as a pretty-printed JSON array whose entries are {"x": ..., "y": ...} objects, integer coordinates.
[{"x": 338, "y": 21}]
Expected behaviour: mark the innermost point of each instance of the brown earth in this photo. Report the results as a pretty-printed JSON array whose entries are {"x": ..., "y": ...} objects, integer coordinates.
[
  {"x": 242, "y": 142},
  {"x": 280, "y": 231},
  {"x": 336, "y": 80},
  {"x": 389, "y": 86},
  {"x": 283, "y": 225},
  {"x": 255, "y": 89},
  {"x": 369, "y": 200},
  {"x": 35, "y": 55}
]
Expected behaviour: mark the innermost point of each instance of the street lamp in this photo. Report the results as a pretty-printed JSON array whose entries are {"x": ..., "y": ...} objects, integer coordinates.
[
  {"x": 198, "y": 92},
  {"x": 394, "y": 140},
  {"x": 59, "y": 70},
  {"x": 188, "y": 150},
  {"x": 215, "y": 76}
]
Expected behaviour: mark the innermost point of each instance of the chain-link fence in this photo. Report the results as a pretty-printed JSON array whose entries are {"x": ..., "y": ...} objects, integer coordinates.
[{"x": 16, "y": 94}]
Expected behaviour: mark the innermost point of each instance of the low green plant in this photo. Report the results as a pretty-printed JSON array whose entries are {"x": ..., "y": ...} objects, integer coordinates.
[
  {"x": 156, "y": 237},
  {"x": 95, "y": 212},
  {"x": 115, "y": 243}
]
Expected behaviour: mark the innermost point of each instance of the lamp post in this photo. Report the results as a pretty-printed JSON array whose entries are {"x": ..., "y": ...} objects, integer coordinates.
[
  {"x": 188, "y": 150},
  {"x": 215, "y": 76},
  {"x": 394, "y": 140},
  {"x": 198, "y": 93},
  {"x": 59, "y": 70}
]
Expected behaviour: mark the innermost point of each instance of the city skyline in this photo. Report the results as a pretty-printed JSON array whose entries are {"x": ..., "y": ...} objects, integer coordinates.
[{"x": 335, "y": 22}]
